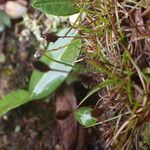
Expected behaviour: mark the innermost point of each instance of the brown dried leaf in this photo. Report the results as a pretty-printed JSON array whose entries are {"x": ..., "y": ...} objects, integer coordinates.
[
  {"x": 65, "y": 101},
  {"x": 71, "y": 135}
]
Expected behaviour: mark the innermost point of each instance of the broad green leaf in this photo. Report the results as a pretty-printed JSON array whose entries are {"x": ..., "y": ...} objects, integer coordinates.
[
  {"x": 2, "y": 58},
  {"x": 13, "y": 100},
  {"x": 56, "y": 7},
  {"x": 84, "y": 117},
  {"x": 43, "y": 84},
  {"x": 2, "y": 27},
  {"x": 5, "y": 19},
  {"x": 35, "y": 78},
  {"x": 73, "y": 77}
]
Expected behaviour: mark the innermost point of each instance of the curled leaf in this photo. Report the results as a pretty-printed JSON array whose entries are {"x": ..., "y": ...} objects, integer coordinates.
[
  {"x": 84, "y": 116},
  {"x": 56, "y": 7}
]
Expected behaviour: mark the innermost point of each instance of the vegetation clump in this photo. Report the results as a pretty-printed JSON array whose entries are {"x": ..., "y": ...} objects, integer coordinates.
[
  {"x": 116, "y": 46},
  {"x": 111, "y": 39}
]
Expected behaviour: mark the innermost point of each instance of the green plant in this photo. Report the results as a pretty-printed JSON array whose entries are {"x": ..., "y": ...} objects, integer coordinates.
[
  {"x": 113, "y": 50},
  {"x": 58, "y": 8},
  {"x": 4, "y": 21},
  {"x": 42, "y": 84}
]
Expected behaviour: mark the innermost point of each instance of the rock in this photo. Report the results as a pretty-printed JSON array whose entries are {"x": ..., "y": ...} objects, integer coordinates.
[
  {"x": 15, "y": 10},
  {"x": 22, "y": 2}
]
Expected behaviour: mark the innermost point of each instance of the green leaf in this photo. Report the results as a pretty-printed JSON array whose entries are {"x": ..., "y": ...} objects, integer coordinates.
[
  {"x": 84, "y": 117},
  {"x": 2, "y": 58},
  {"x": 43, "y": 84},
  {"x": 5, "y": 19},
  {"x": 56, "y": 7},
  {"x": 13, "y": 100},
  {"x": 73, "y": 77}
]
